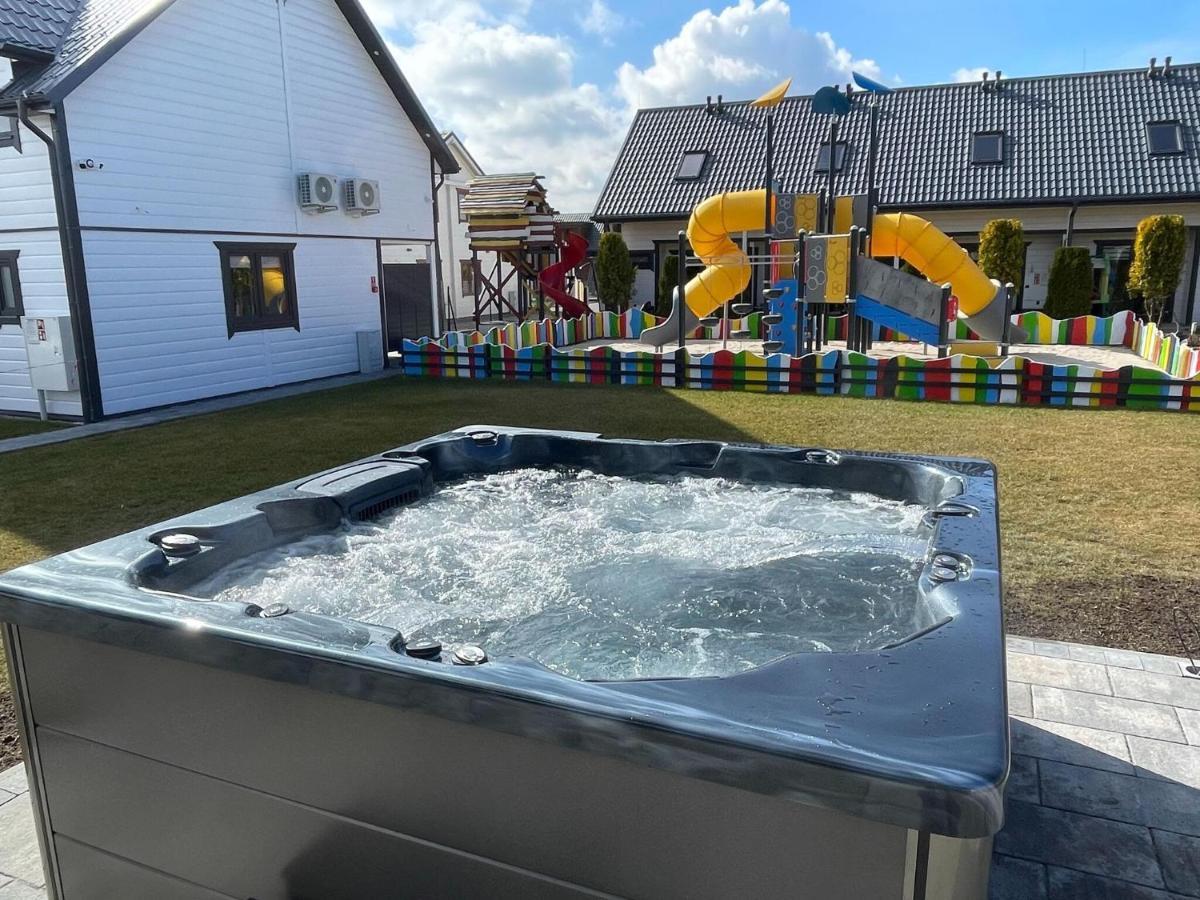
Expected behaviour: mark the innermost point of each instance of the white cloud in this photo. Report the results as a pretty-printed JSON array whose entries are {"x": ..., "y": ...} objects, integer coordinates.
[
  {"x": 511, "y": 95},
  {"x": 975, "y": 74},
  {"x": 602, "y": 20},
  {"x": 514, "y": 96},
  {"x": 738, "y": 52}
]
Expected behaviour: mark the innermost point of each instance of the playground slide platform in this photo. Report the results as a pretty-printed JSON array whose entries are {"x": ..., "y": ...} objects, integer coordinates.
[{"x": 552, "y": 278}]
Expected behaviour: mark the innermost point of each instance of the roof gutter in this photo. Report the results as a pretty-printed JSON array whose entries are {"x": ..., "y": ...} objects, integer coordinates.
[
  {"x": 21, "y": 53},
  {"x": 67, "y": 215}
]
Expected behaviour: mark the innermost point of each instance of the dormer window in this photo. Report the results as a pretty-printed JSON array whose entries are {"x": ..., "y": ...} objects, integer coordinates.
[
  {"x": 691, "y": 165},
  {"x": 839, "y": 157},
  {"x": 1164, "y": 138},
  {"x": 987, "y": 147}
]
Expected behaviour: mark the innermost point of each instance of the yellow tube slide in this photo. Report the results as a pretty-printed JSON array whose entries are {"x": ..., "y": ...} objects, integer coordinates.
[
  {"x": 926, "y": 247},
  {"x": 708, "y": 231}
]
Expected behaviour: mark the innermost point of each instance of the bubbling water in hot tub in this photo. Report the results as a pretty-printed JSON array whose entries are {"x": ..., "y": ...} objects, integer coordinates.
[{"x": 610, "y": 577}]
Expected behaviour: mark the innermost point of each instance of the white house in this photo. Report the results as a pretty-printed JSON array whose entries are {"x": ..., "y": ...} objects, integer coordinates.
[
  {"x": 153, "y": 176},
  {"x": 458, "y": 288}
]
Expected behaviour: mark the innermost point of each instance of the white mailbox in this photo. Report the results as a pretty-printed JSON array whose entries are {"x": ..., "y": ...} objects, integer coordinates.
[{"x": 50, "y": 346}]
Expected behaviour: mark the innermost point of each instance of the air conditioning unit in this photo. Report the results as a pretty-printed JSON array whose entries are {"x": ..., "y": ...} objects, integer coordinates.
[
  {"x": 318, "y": 193},
  {"x": 362, "y": 197}
]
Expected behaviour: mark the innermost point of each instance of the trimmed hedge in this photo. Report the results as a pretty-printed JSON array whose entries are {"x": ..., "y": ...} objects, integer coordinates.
[
  {"x": 614, "y": 272},
  {"x": 1158, "y": 252},
  {"x": 1070, "y": 290},
  {"x": 1002, "y": 251}
]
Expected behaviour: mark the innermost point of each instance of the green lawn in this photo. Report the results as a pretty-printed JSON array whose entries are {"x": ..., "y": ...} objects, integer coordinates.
[
  {"x": 14, "y": 426},
  {"x": 1099, "y": 508}
]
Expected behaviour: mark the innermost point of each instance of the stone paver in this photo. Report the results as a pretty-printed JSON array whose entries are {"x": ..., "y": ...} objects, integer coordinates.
[
  {"x": 19, "y": 855},
  {"x": 1052, "y": 648},
  {"x": 1063, "y": 673},
  {"x": 1100, "y": 846},
  {"x": 1017, "y": 879},
  {"x": 1169, "y": 689},
  {"x": 1020, "y": 700},
  {"x": 1190, "y": 720},
  {"x": 1107, "y": 713},
  {"x": 1067, "y": 884},
  {"x": 1087, "y": 654},
  {"x": 1023, "y": 780},
  {"x": 1163, "y": 665},
  {"x": 1126, "y": 798},
  {"x": 13, "y": 779},
  {"x": 1163, "y": 759},
  {"x": 19, "y": 890},
  {"x": 1019, "y": 644},
  {"x": 1125, "y": 659},
  {"x": 1180, "y": 855},
  {"x": 1071, "y": 744}
]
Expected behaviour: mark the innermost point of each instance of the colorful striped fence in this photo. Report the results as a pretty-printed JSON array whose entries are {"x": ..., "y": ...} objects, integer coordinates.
[
  {"x": 1168, "y": 352},
  {"x": 1120, "y": 330},
  {"x": 1013, "y": 381},
  {"x": 1090, "y": 331}
]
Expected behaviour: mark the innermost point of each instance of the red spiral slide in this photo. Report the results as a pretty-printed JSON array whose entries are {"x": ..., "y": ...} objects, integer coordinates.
[{"x": 552, "y": 277}]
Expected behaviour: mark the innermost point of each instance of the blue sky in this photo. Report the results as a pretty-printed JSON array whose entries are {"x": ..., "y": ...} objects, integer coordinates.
[{"x": 548, "y": 86}]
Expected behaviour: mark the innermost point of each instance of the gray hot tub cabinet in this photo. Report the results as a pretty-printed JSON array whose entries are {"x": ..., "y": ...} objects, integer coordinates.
[{"x": 183, "y": 748}]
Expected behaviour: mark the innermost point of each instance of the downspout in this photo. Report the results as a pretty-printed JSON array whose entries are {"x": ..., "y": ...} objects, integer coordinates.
[
  {"x": 1070, "y": 234},
  {"x": 437, "y": 243},
  {"x": 71, "y": 251}
]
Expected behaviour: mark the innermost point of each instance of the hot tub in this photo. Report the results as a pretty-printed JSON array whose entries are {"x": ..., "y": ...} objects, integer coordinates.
[{"x": 679, "y": 681}]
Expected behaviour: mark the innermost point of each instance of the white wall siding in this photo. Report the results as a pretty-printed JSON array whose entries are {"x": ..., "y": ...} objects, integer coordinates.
[
  {"x": 158, "y": 312},
  {"x": 346, "y": 121},
  {"x": 27, "y": 202},
  {"x": 190, "y": 125},
  {"x": 200, "y": 125},
  {"x": 26, "y": 189},
  {"x": 44, "y": 291}
]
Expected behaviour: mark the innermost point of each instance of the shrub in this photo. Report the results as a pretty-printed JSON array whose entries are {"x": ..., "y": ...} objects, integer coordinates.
[
  {"x": 1002, "y": 251},
  {"x": 614, "y": 272},
  {"x": 668, "y": 280},
  {"x": 1157, "y": 261},
  {"x": 1070, "y": 290}
]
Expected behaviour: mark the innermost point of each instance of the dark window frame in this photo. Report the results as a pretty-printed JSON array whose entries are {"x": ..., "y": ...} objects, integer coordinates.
[
  {"x": 12, "y": 137},
  {"x": 991, "y": 133},
  {"x": 259, "y": 322},
  {"x": 466, "y": 275},
  {"x": 8, "y": 258},
  {"x": 703, "y": 154},
  {"x": 1178, "y": 148},
  {"x": 841, "y": 148}
]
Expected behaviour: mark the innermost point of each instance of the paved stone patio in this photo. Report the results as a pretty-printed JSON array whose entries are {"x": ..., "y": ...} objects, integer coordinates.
[{"x": 1103, "y": 800}]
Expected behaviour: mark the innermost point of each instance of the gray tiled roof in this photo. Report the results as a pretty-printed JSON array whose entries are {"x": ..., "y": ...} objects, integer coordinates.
[
  {"x": 1067, "y": 137},
  {"x": 36, "y": 24},
  {"x": 95, "y": 24}
]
